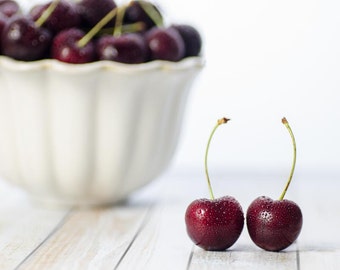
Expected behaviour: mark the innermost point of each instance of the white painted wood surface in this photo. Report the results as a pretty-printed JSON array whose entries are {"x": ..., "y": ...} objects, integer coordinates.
[{"x": 148, "y": 230}]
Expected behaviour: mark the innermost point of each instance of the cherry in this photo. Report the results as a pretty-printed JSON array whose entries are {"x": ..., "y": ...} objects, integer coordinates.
[
  {"x": 65, "y": 47},
  {"x": 191, "y": 37},
  {"x": 64, "y": 15},
  {"x": 214, "y": 224},
  {"x": 92, "y": 11},
  {"x": 273, "y": 225},
  {"x": 3, "y": 22},
  {"x": 23, "y": 40},
  {"x": 145, "y": 12},
  {"x": 9, "y": 7},
  {"x": 165, "y": 44},
  {"x": 74, "y": 46},
  {"x": 128, "y": 48}
]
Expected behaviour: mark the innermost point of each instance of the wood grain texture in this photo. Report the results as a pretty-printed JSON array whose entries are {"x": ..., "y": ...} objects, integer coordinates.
[
  {"x": 243, "y": 259},
  {"x": 23, "y": 226},
  {"x": 315, "y": 260},
  {"x": 148, "y": 230},
  {"x": 89, "y": 240},
  {"x": 162, "y": 243}
]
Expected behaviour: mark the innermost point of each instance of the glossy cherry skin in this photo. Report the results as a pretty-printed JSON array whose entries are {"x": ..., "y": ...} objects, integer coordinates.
[
  {"x": 3, "y": 22},
  {"x": 65, "y": 47},
  {"x": 273, "y": 225},
  {"x": 135, "y": 13},
  {"x": 214, "y": 224},
  {"x": 191, "y": 37},
  {"x": 165, "y": 44},
  {"x": 22, "y": 40},
  {"x": 128, "y": 48},
  {"x": 92, "y": 11},
  {"x": 63, "y": 17}
]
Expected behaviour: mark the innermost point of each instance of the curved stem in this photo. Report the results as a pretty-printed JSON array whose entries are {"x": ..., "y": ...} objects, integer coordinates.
[
  {"x": 119, "y": 21},
  {"x": 133, "y": 27},
  {"x": 47, "y": 13},
  {"x": 126, "y": 28},
  {"x": 219, "y": 122},
  {"x": 285, "y": 122},
  {"x": 152, "y": 12},
  {"x": 85, "y": 39}
]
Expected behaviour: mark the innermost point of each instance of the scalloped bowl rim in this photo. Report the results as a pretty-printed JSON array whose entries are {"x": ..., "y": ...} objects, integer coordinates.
[{"x": 53, "y": 64}]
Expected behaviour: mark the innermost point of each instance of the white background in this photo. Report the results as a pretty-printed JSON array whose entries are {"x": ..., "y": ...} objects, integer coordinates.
[{"x": 264, "y": 60}]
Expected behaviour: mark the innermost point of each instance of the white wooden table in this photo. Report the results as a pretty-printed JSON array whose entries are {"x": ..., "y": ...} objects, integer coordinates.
[{"x": 148, "y": 230}]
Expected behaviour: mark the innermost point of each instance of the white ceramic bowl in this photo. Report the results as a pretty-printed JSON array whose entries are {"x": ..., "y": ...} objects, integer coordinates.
[{"x": 90, "y": 134}]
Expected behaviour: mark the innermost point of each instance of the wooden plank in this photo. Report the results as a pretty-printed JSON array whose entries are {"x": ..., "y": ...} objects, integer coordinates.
[
  {"x": 23, "y": 226},
  {"x": 320, "y": 259},
  {"x": 163, "y": 242},
  {"x": 148, "y": 231},
  {"x": 94, "y": 238},
  {"x": 242, "y": 259},
  {"x": 90, "y": 239},
  {"x": 319, "y": 242}
]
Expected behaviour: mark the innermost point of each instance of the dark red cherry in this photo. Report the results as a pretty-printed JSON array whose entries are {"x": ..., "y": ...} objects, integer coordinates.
[
  {"x": 191, "y": 37},
  {"x": 135, "y": 12},
  {"x": 214, "y": 224},
  {"x": 63, "y": 17},
  {"x": 23, "y": 40},
  {"x": 3, "y": 21},
  {"x": 128, "y": 48},
  {"x": 92, "y": 11},
  {"x": 65, "y": 47},
  {"x": 165, "y": 44},
  {"x": 273, "y": 224}
]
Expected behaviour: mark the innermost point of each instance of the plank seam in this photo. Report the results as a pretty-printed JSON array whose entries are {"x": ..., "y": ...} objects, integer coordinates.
[
  {"x": 139, "y": 230},
  {"x": 190, "y": 257},
  {"x": 53, "y": 231},
  {"x": 298, "y": 266}
]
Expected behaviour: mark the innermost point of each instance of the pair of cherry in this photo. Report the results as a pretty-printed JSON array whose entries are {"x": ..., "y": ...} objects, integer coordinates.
[{"x": 216, "y": 224}]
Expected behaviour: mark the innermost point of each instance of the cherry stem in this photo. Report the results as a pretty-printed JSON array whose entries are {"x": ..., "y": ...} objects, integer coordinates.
[
  {"x": 126, "y": 28},
  {"x": 152, "y": 12},
  {"x": 219, "y": 122},
  {"x": 133, "y": 27},
  {"x": 285, "y": 122},
  {"x": 47, "y": 13},
  {"x": 85, "y": 39},
  {"x": 117, "y": 31}
]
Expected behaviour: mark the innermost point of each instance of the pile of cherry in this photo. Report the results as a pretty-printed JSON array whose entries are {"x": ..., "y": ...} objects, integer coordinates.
[{"x": 91, "y": 30}]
